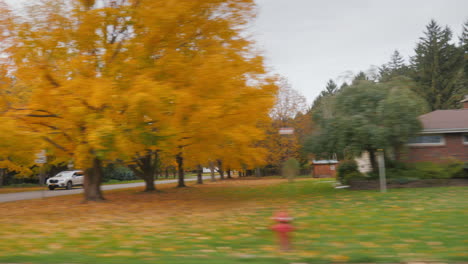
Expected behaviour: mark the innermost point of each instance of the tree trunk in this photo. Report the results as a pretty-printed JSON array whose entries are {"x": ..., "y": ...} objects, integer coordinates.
[
  {"x": 258, "y": 173},
  {"x": 149, "y": 183},
  {"x": 166, "y": 171},
  {"x": 229, "y": 174},
  {"x": 145, "y": 169},
  {"x": 174, "y": 172},
  {"x": 220, "y": 169},
  {"x": 42, "y": 175},
  {"x": 92, "y": 182},
  {"x": 2, "y": 176},
  {"x": 200, "y": 174},
  {"x": 373, "y": 160},
  {"x": 180, "y": 169},
  {"x": 148, "y": 169},
  {"x": 398, "y": 151},
  {"x": 212, "y": 171}
]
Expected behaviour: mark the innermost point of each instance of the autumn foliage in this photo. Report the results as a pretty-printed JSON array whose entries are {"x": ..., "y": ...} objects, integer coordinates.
[{"x": 118, "y": 80}]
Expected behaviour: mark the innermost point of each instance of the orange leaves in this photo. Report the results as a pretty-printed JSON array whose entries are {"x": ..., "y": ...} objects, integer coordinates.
[
  {"x": 87, "y": 3},
  {"x": 116, "y": 79}
]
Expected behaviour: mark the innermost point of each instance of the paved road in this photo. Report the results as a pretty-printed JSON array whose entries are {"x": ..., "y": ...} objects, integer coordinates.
[{"x": 9, "y": 197}]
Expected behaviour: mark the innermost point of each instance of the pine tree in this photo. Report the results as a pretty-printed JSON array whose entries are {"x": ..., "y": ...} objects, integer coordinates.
[
  {"x": 361, "y": 76},
  {"x": 330, "y": 89},
  {"x": 395, "y": 67},
  {"x": 396, "y": 61},
  {"x": 437, "y": 66},
  {"x": 343, "y": 86},
  {"x": 464, "y": 47}
]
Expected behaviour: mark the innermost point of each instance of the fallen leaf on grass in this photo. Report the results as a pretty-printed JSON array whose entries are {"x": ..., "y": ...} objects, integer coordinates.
[
  {"x": 168, "y": 249},
  {"x": 369, "y": 244},
  {"x": 434, "y": 243},
  {"x": 55, "y": 246},
  {"x": 339, "y": 258}
]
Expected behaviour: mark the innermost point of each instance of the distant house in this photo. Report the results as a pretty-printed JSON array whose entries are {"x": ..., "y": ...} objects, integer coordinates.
[
  {"x": 324, "y": 168},
  {"x": 363, "y": 162},
  {"x": 444, "y": 135}
]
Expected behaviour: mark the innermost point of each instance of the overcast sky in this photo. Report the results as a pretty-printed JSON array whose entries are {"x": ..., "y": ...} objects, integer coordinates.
[{"x": 312, "y": 41}]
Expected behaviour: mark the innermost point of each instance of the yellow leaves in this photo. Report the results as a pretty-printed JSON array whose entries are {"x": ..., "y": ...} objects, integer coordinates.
[
  {"x": 175, "y": 77},
  {"x": 87, "y": 3},
  {"x": 369, "y": 244},
  {"x": 121, "y": 253},
  {"x": 82, "y": 156},
  {"x": 168, "y": 249},
  {"x": 55, "y": 246},
  {"x": 339, "y": 258}
]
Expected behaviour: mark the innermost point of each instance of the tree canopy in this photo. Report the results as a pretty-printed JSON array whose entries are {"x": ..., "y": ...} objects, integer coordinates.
[
  {"x": 112, "y": 80},
  {"x": 366, "y": 116},
  {"x": 437, "y": 67}
]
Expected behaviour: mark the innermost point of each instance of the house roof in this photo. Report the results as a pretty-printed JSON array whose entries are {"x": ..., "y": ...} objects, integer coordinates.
[
  {"x": 324, "y": 161},
  {"x": 445, "y": 121}
]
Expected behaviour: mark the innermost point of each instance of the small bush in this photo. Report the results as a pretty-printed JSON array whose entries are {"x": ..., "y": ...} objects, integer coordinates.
[
  {"x": 402, "y": 180},
  {"x": 356, "y": 175},
  {"x": 451, "y": 169},
  {"x": 290, "y": 168},
  {"x": 113, "y": 172},
  {"x": 346, "y": 169},
  {"x": 426, "y": 170},
  {"x": 395, "y": 164}
]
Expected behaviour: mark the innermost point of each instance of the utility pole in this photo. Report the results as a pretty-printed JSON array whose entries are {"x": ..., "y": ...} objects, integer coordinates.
[
  {"x": 383, "y": 180},
  {"x": 290, "y": 171}
]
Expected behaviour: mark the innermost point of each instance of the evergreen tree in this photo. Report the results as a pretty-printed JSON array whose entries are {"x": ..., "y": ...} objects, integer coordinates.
[
  {"x": 330, "y": 89},
  {"x": 343, "y": 86},
  {"x": 464, "y": 47},
  {"x": 437, "y": 66},
  {"x": 395, "y": 67},
  {"x": 361, "y": 76},
  {"x": 396, "y": 61}
]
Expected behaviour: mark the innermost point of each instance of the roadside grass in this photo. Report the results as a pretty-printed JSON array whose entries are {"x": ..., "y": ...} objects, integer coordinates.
[{"x": 229, "y": 222}]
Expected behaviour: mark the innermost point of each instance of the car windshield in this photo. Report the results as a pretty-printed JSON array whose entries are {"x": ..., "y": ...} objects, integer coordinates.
[{"x": 63, "y": 173}]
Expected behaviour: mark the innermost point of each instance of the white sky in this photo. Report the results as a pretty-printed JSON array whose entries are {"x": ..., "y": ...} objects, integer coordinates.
[{"x": 312, "y": 41}]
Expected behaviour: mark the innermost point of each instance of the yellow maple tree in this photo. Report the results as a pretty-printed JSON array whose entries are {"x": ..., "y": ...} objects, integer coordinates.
[{"x": 120, "y": 80}]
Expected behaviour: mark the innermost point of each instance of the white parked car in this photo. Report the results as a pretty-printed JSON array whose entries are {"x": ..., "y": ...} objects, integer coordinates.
[{"x": 66, "y": 179}]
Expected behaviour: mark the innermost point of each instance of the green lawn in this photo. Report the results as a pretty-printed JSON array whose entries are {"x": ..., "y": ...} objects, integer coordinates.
[{"x": 230, "y": 222}]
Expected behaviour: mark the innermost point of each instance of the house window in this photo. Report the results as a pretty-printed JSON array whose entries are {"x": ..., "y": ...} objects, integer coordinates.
[
  {"x": 427, "y": 140},
  {"x": 465, "y": 139}
]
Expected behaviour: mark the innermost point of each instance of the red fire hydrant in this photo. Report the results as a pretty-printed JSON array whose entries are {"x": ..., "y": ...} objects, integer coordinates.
[{"x": 283, "y": 229}]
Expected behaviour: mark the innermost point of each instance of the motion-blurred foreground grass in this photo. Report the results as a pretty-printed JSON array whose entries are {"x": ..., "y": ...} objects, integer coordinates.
[{"x": 229, "y": 222}]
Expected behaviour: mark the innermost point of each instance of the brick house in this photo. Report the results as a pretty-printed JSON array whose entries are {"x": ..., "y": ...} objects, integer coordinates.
[
  {"x": 444, "y": 136},
  {"x": 324, "y": 168}
]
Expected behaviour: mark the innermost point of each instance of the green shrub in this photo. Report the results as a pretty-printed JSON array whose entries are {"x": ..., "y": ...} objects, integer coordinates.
[
  {"x": 402, "y": 180},
  {"x": 115, "y": 172},
  {"x": 458, "y": 170},
  {"x": 428, "y": 170},
  {"x": 346, "y": 167},
  {"x": 451, "y": 169},
  {"x": 395, "y": 164},
  {"x": 356, "y": 175},
  {"x": 290, "y": 168}
]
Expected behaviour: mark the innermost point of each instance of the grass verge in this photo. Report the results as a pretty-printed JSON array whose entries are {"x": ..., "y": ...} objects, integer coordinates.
[{"x": 229, "y": 222}]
